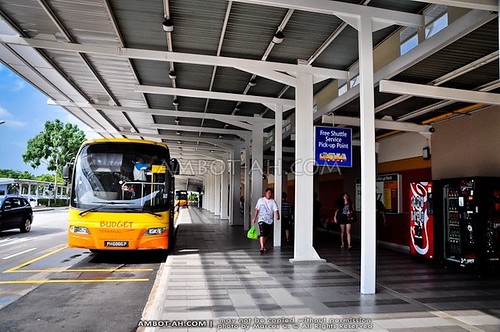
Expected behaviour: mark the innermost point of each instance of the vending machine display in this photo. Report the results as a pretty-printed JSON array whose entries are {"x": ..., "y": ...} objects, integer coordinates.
[
  {"x": 421, "y": 220},
  {"x": 492, "y": 238},
  {"x": 471, "y": 225}
]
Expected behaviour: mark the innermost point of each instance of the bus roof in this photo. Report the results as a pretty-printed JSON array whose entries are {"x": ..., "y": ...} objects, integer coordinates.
[{"x": 123, "y": 140}]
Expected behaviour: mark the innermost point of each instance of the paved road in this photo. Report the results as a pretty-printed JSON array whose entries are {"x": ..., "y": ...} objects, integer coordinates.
[{"x": 45, "y": 286}]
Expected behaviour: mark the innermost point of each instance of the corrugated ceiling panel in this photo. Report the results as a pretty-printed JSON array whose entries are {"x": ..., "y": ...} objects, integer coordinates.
[
  {"x": 140, "y": 23},
  {"x": 197, "y": 25},
  {"x": 250, "y": 29}
]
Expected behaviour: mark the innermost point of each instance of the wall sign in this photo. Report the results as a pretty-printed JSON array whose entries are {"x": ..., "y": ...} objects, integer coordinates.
[
  {"x": 388, "y": 191},
  {"x": 332, "y": 146}
]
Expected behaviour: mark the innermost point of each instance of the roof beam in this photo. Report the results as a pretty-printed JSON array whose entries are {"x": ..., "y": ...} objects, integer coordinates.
[
  {"x": 491, "y": 5},
  {"x": 226, "y": 118},
  {"x": 456, "y": 30},
  {"x": 271, "y": 74},
  {"x": 435, "y": 92},
  {"x": 241, "y": 133},
  {"x": 345, "y": 10},
  {"x": 287, "y": 103},
  {"x": 379, "y": 124},
  {"x": 222, "y": 143},
  {"x": 209, "y": 60}
]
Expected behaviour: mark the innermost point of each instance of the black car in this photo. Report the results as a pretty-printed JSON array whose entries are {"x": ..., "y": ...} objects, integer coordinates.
[{"x": 15, "y": 212}]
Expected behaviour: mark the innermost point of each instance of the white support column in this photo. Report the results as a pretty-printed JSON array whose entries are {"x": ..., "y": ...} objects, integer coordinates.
[
  {"x": 235, "y": 216},
  {"x": 368, "y": 173},
  {"x": 211, "y": 193},
  {"x": 224, "y": 197},
  {"x": 248, "y": 199},
  {"x": 206, "y": 196},
  {"x": 257, "y": 165},
  {"x": 204, "y": 204},
  {"x": 304, "y": 156},
  {"x": 278, "y": 170},
  {"x": 217, "y": 191}
]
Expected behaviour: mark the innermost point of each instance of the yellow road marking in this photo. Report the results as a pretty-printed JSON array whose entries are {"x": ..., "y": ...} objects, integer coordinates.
[
  {"x": 81, "y": 270},
  {"x": 34, "y": 260},
  {"x": 68, "y": 281},
  {"x": 16, "y": 269}
]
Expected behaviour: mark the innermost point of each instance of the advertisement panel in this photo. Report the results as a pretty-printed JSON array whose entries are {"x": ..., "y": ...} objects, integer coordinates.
[
  {"x": 333, "y": 146},
  {"x": 421, "y": 220},
  {"x": 388, "y": 191}
]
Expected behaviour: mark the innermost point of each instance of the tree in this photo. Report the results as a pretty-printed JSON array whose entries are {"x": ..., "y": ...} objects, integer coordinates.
[
  {"x": 55, "y": 146},
  {"x": 12, "y": 174},
  {"x": 48, "y": 178}
]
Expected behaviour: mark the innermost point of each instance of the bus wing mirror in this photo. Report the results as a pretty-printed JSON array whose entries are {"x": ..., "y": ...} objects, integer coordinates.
[
  {"x": 174, "y": 166},
  {"x": 67, "y": 170}
]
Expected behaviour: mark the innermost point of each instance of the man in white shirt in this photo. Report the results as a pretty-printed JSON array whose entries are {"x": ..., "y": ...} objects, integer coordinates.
[{"x": 265, "y": 210}]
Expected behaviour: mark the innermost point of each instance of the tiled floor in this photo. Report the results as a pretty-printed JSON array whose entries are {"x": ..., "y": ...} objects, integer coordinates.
[{"x": 217, "y": 273}]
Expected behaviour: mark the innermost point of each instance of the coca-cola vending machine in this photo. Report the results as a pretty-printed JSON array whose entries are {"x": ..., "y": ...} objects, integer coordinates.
[
  {"x": 471, "y": 215},
  {"x": 421, "y": 220}
]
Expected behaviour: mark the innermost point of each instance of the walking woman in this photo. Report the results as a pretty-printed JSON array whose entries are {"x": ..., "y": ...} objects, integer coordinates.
[{"x": 344, "y": 215}]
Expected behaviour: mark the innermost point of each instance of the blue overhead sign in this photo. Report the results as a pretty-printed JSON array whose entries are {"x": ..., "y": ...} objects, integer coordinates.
[{"x": 333, "y": 146}]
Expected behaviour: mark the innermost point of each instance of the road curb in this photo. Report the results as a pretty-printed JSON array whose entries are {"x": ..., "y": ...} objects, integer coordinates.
[{"x": 154, "y": 306}]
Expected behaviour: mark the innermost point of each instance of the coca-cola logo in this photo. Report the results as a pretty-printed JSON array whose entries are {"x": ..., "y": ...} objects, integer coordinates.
[{"x": 419, "y": 217}]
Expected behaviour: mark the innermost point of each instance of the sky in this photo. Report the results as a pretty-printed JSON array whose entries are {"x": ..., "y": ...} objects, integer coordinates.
[{"x": 25, "y": 111}]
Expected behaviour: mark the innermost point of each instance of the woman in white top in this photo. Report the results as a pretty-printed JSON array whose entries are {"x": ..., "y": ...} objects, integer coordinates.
[{"x": 265, "y": 210}]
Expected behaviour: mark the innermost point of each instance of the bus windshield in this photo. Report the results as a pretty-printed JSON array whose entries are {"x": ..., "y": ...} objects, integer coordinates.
[
  {"x": 121, "y": 177},
  {"x": 181, "y": 195}
]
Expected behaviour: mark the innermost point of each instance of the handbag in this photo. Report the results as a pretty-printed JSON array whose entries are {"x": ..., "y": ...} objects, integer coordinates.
[
  {"x": 252, "y": 233},
  {"x": 351, "y": 217}
]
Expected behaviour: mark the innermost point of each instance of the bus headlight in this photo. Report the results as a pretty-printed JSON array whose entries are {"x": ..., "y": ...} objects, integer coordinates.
[
  {"x": 155, "y": 231},
  {"x": 79, "y": 229}
]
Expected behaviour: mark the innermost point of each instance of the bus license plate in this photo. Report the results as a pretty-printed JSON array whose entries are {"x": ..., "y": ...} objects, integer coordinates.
[{"x": 116, "y": 243}]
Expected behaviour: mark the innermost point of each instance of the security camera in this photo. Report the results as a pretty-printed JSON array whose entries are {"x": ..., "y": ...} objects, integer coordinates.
[{"x": 432, "y": 129}]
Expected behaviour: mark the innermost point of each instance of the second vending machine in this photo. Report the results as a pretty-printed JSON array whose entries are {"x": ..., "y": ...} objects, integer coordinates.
[{"x": 471, "y": 215}]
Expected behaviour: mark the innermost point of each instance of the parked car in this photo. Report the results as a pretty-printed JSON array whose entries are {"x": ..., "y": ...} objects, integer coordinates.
[
  {"x": 32, "y": 199},
  {"x": 15, "y": 212}
]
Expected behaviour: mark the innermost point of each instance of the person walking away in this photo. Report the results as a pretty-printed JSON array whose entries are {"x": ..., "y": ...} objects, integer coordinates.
[
  {"x": 286, "y": 216},
  {"x": 380, "y": 213},
  {"x": 344, "y": 216},
  {"x": 316, "y": 213},
  {"x": 381, "y": 221},
  {"x": 265, "y": 209}
]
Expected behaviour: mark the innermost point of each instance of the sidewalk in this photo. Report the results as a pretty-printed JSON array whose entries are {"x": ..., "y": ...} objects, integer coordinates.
[
  {"x": 217, "y": 278},
  {"x": 48, "y": 208}
]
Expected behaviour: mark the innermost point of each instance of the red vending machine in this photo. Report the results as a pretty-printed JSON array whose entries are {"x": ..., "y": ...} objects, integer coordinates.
[{"x": 421, "y": 220}]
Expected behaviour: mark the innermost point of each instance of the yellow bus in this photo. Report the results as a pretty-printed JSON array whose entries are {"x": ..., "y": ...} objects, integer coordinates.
[
  {"x": 181, "y": 198},
  {"x": 122, "y": 195}
]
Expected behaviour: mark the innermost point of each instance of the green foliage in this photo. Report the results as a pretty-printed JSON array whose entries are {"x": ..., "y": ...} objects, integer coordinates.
[
  {"x": 12, "y": 174},
  {"x": 53, "y": 202},
  {"x": 49, "y": 178},
  {"x": 54, "y": 146},
  {"x": 193, "y": 197}
]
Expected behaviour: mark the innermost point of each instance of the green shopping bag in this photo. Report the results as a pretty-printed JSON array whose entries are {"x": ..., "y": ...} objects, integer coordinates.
[{"x": 252, "y": 234}]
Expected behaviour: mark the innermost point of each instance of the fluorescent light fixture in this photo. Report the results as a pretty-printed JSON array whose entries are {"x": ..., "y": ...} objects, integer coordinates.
[{"x": 426, "y": 153}]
